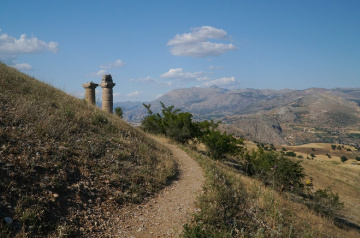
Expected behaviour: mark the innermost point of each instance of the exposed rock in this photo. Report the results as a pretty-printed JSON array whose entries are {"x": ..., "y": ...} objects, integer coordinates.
[{"x": 8, "y": 220}]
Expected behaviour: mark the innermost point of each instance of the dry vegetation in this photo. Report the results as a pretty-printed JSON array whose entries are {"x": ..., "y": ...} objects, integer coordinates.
[
  {"x": 235, "y": 205},
  {"x": 342, "y": 178},
  {"x": 64, "y": 163},
  {"x": 327, "y": 171}
]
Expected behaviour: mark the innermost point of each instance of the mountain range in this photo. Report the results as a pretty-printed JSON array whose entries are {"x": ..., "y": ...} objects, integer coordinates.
[{"x": 280, "y": 117}]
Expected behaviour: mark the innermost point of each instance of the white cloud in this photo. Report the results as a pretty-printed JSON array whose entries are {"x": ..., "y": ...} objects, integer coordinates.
[
  {"x": 24, "y": 66},
  {"x": 147, "y": 79},
  {"x": 199, "y": 34},
  {"x": 220, "y": 82},
  {"x": 204, "y": 79},
  {"x": 215, "y": 67},
  {"x": 179, "y": 73},
  {"x": 197, "y": 44},
  {"x": 152, "y": 80},
  {"x": 134, "y": 94},
  {"x": 116, "y": 64},
  {"x": 10, "y": 46},
  {"x": 101, "y": 72}
]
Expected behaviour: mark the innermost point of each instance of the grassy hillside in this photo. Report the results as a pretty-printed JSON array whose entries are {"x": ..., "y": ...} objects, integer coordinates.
[
  {"x": 236, "y": 205},
  {"x": 327, "y": 170},
  {"x": 64, "y": 162}
]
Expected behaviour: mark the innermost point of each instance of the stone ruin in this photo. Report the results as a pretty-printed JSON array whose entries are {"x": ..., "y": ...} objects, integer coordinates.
[
  {"x": 107, "y": 85},
  {"x": 90, "y": 92}
]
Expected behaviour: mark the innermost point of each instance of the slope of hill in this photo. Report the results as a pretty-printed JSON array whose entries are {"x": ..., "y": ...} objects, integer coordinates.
[
  {"x": 272, "y": 116},
  {"x": 64, "y": 163},
  {"x": 314, "y": 117}
]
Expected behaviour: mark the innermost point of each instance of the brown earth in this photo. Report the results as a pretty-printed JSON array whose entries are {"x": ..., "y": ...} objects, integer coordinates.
[{"x": 164, "y": 215}]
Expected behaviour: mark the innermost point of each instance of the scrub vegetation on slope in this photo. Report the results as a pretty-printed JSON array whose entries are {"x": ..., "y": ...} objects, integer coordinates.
[{"x": 64, "y": 162}]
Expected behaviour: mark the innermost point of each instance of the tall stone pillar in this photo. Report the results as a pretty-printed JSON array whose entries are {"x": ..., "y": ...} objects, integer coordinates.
[
  {"x": 107, "y": 93},
  {"x": 90, "y": 92}
]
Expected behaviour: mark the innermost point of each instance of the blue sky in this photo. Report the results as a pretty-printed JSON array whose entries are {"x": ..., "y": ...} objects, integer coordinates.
[{"x": 151, "y": 47}]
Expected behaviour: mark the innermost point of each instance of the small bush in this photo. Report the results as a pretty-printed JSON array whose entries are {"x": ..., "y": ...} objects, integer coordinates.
[
  {"x": 325, "y": 203},
  {"x": 221, "y": 205},
  {"x": 357, "y": 158},
  {"x": 333, "y": 147},
  {"x": 99, "y": 119},
  {"x": 119, "y": 112},
  {"x": 220, "y": 144},
  {"x": 276, "y": 170},
  {"x": 343, "y": 158},
  {"x": 291, "y": 154},
  {"x": 172, "y": 123}
]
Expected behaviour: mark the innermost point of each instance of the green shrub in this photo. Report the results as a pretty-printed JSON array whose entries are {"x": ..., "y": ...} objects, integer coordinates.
[
  {"x": 333, "y": 147},
  {"x": 290, "y": 153},
  {"x": 357, "y": 158},
  {"x": 276, "y": 170},
  {"x": 174, "y": 124},
  {"x": 343, "y": 158},
  {"x": 220, "y": 144},
  {"x": 179, "y": 127},
  {"x": 119, "y": 112},
  {"x": 325, "y": 203}
]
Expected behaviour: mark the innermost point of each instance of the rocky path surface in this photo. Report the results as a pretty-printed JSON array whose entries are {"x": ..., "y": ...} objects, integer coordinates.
[{"x": 165, "y": 214}]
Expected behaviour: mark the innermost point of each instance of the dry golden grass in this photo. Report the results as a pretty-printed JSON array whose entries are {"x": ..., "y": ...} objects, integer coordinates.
[
  {"x": 266, "y": 212},
  {"x": 297, "y": 215},
  {"x": 62, "y": 159},
  {"x": 342, "y": 178},
  {"x": 321, "y": 149},
  {"x": 284, "y": 215}
]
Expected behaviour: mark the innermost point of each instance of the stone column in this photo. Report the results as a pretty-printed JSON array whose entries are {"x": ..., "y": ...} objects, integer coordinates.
[
  {"x": 90, "y": 92},
  {"x": 107, "y": 93}
]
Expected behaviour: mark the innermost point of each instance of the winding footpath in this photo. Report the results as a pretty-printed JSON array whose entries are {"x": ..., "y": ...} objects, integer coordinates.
[{"x": 165, "y": 214}]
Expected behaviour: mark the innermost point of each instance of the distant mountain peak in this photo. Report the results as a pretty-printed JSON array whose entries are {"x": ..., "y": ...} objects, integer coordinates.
[{"x": 218, "y": 88}]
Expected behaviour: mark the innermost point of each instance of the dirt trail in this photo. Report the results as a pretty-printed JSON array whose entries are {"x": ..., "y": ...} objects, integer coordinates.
[{"x": 165, "y": 215}]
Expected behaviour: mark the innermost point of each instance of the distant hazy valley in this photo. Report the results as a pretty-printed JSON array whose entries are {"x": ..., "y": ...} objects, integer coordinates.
[{"x": 280, "y": 117}]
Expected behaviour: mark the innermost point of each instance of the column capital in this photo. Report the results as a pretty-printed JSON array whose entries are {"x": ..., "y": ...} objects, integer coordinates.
[
  {"x": 107, "y": 81},
  {"x": 90, "y": 85}
]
